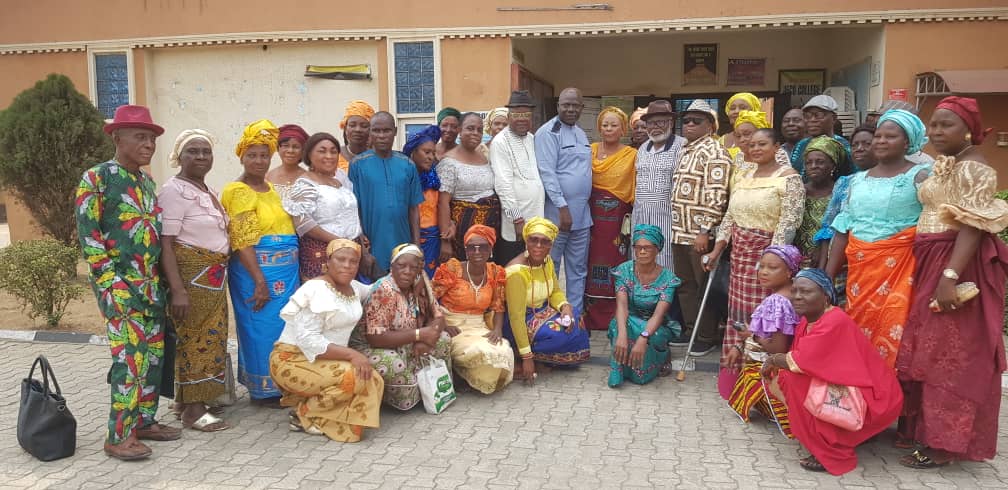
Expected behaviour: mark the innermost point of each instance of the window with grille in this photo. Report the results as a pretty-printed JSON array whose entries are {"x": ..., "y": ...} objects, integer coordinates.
[
  {"x": 111, "y": 82},
  {"x": 414, "y": 77}
]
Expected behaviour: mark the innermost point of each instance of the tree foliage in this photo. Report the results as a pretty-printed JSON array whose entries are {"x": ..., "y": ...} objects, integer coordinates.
[
  {"x": 41, "y": 273},
  {"x": 49, "y": 135}
]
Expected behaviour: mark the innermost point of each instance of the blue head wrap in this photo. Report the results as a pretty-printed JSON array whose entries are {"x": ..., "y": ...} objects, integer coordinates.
[
  {"x": 911, "y": 124},
  {"x": 428, "y": 179},
  {"x": 650, "y": 233},
  {"x": 819, "y": 277}
]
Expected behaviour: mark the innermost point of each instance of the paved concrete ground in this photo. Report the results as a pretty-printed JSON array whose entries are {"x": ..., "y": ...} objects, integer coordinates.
[{"x": 569, "y": 431}]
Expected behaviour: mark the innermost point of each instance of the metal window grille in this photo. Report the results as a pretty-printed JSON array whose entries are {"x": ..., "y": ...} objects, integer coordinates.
[
  {"x": 111, "y": 82},
  {"x": 414, "y": 77}
]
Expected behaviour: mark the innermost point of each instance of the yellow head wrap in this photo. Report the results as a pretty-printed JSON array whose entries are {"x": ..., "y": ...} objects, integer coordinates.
[
  {"x": 340, "y": 244},
  {"x": 261, "y": 132},
  {"x": 612, "y": 110},
  {"x": 752, "y": 100},
  {"x": 357, "y": 108},
  {"x": 494, "y": 114},
  {"x": 541, "y": 226},
  {"x": 755, "y": 118},
  {"x": 637, "y": 115},
  {"x": 185, "y": 137}
]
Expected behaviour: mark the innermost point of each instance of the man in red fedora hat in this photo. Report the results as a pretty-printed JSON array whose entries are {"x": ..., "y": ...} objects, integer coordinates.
[{"x": 119, "y": 228}]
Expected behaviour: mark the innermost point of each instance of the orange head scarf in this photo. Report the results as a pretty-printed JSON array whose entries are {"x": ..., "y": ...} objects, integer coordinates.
[
  {"x": 357, "y": 108},
  {"x": 482, "y": 231}
]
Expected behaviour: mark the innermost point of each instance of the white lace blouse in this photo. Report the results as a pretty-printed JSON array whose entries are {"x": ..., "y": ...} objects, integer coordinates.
[
  {"x": 311, "y": 204},
  {"x": 317, "y": 315}
]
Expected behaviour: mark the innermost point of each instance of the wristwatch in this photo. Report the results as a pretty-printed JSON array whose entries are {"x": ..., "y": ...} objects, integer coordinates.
[
  {"x": 645, "y": 334},
  {"x": 951, "y": 274}
]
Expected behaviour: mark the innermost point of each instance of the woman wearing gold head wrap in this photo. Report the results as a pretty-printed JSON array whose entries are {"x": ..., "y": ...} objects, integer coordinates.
[
  {"x": 356, "y": 126},
  {"x": 194, "y": 256},
  {"x": 742, "y": 101},
  {"x": 402, "y": 325},
  {"x": 334, "y": 390},
  {"x": 611, "y": 202},
  {"x": 541, "y": 323},
  {"x": 264, "y": 267},
  {"x": 494, "y": 123},
  {"x": 746, "y": 124},
  {"x": 638, "y": 128}
]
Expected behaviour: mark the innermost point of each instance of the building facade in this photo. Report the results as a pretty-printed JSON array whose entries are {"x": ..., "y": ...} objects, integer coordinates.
[{"x": 219, "y": 65}]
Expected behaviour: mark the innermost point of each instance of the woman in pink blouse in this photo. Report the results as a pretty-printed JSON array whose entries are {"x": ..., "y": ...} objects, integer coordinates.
[{"x": 194, "y": 256}]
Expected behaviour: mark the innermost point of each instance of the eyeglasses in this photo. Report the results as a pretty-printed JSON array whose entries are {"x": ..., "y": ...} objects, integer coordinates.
[
  {"x": 644, "y": 248},
  {"x": 477, "y": 248},
  {"x": 538, "y": 241},
  {"x": 657, "y": 123},
  {"x": 695, "y": 120},
  {"x": 521, "y": 115},
  {"x": 816, "y": 115}
]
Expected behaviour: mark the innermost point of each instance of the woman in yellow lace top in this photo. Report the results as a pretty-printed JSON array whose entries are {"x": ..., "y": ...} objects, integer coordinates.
[
  {"x": 264, "y": 268},
  {"x": 952, "y": 352},
  {"x": 765, "y": 209},
  {"x": 541, "y": 323}
]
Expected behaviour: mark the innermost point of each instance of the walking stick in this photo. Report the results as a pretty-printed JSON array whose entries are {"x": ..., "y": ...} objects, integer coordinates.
[{"x": 681, "y": 376}]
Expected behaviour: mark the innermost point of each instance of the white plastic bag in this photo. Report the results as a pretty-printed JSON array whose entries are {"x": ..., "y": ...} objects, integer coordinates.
[{"x": 436, "y": 388}]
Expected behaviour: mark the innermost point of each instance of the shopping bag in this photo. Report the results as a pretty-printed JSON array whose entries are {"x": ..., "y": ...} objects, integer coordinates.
[
  {"x": 436, "y": 388},
  {"x": 842, "y": 406}
]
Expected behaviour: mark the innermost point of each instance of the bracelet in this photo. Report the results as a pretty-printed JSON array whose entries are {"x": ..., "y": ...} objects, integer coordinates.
[
  {"x": 417, "y": 335},
  {"x": 739, "y": 347}
]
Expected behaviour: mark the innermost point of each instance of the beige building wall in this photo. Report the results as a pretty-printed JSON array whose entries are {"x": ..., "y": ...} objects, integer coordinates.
[
  {"x": 475, "y": 73},
  {"x": 223, "y": 88}
]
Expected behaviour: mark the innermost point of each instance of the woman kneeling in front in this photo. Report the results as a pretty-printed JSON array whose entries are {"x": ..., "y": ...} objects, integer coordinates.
[
  {"x": 402, "y": 327},
  {"x": 644, "y": 295},
  {"x": 333, "y": 389},
  {"x": 541, "y": 322},
  {"x": 830, "y": 354}
]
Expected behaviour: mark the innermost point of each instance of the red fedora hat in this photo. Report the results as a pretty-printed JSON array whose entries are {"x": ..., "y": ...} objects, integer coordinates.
[{"x": 133, "y": 116}]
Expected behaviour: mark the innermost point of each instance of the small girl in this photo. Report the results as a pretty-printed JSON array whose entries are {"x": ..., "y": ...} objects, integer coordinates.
[{"x": 770, "y": 331}]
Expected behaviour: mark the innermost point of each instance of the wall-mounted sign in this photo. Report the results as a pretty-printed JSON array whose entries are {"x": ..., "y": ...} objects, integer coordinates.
[
  {"x": 801, "y": 85},
  {"x": 700, "y": 64},
  {"x": 746, "y": 71}
]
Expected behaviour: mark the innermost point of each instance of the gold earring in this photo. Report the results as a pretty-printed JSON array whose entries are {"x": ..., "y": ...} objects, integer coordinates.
[
  {"x": 325, "y": 268},
  {"x": 969, "y": 136}
]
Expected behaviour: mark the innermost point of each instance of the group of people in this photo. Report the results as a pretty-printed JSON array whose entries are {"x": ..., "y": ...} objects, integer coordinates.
[{"x": 351, "y": 265}]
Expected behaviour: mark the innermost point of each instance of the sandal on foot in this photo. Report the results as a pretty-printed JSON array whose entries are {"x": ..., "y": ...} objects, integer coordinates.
[
  {"x": 207, "y": 423},
  {"x": 920, "y": 461},
  {"x": 811, "y": 464},
  {"x": 294, "y": 424}
]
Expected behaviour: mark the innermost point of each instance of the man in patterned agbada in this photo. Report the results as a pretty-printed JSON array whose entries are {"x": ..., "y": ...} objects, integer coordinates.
[{"x": 119, "y": 227}]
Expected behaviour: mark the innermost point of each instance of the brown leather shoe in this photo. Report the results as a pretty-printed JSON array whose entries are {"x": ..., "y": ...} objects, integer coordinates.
[
  {"x": 159, "y": 432},
  {"x": 129, "y": 450}
]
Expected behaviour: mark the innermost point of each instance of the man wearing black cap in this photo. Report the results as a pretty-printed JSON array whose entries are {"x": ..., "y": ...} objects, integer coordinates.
[{"x": 516, "y": 176}]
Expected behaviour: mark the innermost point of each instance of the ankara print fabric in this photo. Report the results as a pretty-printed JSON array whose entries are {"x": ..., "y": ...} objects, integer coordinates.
[{"x": 119, "y": 228}]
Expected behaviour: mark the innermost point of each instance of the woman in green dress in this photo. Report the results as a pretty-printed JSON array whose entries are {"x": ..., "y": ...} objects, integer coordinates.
[
  {"x": 640, "y": 332},
  {"x": 821, "y": 173}
]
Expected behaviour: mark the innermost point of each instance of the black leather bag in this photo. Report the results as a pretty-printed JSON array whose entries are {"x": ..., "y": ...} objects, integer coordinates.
[{"x": 45, "y": 427}]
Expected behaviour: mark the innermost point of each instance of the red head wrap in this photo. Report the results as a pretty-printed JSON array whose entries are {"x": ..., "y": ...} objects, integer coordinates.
[
  {"x": 481, "y": 231},
  {"x": 967, "y": 110},
  {"x": 293, "y": 131}
]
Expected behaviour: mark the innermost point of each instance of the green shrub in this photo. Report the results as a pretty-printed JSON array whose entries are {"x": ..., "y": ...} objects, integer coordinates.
[
  {"x": 1003, "y": 235},
  {"x": 49, "y": 135},
  {"x": 40, "y": 274}
]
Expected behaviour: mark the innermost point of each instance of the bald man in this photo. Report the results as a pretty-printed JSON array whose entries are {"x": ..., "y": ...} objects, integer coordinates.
[{"x": 563, "y": 154}]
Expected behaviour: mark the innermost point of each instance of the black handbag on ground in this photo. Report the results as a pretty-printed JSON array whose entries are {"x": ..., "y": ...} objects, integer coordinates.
[{"x": 45, "y": 426}]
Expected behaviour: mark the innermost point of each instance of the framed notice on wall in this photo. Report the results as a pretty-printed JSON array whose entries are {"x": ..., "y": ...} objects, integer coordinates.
[
  {"x": 700, "y": 64},
  {"x": 746, "y": 71},
  {"x": 801, "y": 85}
]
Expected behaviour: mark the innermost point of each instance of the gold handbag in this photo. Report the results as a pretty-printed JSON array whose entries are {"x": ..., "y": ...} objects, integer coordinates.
[{"x": 965, "y": 291}]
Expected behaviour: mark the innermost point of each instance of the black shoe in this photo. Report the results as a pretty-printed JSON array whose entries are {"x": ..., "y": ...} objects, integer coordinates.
[
  {"x": 681, "y": 340},
  {"x": 702, "y": 348}
]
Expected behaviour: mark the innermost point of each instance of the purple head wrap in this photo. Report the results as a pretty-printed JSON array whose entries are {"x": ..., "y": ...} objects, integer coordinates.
[{"x": 789, "y": 254}]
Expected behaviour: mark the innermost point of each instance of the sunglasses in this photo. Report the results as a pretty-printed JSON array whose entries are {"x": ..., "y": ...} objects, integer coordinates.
[
  {"x": 695, "y": 120},
  {"x": 477, "y": 248},
  {"x": 521, "y": 115}
]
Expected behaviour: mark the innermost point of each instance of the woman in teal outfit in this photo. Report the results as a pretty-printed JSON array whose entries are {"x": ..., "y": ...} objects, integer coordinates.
[{"x": 640, "y": 332}]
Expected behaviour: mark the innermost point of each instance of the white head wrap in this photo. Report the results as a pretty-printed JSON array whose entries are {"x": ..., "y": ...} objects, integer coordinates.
[
  {"x": 185, "y": 137},
  {"x": 408, "y": 250}
]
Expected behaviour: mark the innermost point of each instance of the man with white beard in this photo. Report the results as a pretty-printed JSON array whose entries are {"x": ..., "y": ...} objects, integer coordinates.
[
  {"x": 699, "y": 201},
  {"x": 657, "y": 159}
]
